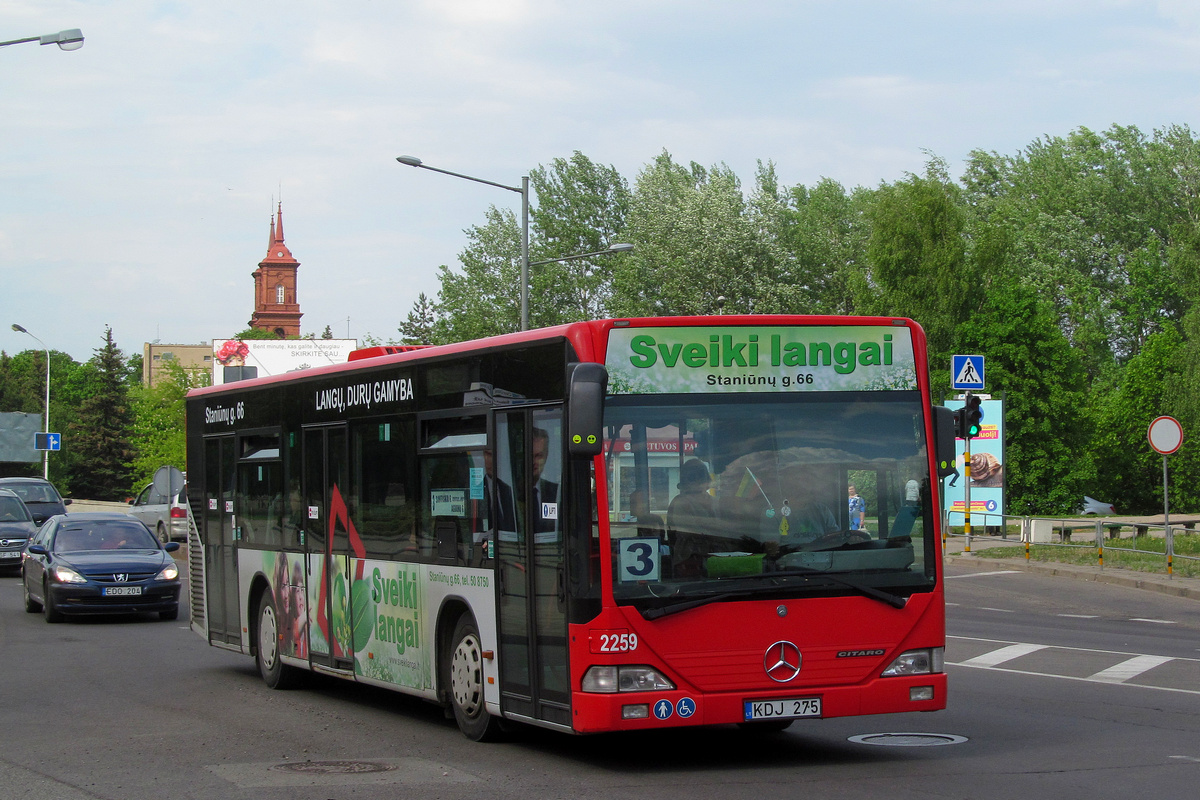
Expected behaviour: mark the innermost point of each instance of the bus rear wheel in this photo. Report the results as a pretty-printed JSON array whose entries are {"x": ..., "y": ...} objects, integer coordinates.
[
  {"x": 275, "y": 673},
  {"x": 465, "y": 680}
]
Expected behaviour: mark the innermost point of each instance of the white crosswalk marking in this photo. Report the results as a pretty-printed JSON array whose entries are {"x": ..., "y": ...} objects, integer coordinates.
[
  {"x": 1130, "y": 668},
  {"x": 1003, "y": 654}
]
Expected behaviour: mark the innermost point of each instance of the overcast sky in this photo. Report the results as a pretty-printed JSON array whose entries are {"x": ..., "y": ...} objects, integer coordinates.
[{"x": 137, "y": 174}]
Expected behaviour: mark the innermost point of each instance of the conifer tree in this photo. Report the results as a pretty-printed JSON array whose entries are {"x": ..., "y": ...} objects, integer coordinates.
[{"x": 101, "y": 437}]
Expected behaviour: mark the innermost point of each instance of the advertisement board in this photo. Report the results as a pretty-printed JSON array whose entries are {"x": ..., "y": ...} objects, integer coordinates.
[
  {"x": 237, "y": 360},
  {"x": 987, "y": 466}
]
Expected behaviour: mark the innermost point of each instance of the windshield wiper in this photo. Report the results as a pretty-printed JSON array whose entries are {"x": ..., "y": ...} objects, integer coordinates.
[
  {"x": 893, "y": 600},
  {"x": 688, "y": 605}
]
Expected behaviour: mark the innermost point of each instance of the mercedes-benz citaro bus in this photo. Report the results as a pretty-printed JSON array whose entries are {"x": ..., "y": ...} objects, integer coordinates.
[{"x": 622, "y": 524}]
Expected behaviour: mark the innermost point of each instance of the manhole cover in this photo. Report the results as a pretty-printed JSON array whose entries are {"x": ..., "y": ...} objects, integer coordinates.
[
  {"x": 334, "y": 767},
  {"x": 908, "y": 739}
]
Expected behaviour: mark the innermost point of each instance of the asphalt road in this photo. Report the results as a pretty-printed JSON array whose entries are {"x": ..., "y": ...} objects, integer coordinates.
[{"x": 133, "y": 709}]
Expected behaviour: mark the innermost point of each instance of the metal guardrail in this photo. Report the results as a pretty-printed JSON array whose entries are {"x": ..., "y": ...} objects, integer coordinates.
[{"x": 1105, "y": 533}]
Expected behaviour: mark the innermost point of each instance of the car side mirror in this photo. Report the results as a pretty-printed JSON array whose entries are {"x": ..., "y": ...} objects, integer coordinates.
[
  {"x": 171, "y": 547},
  {"x": 38, "y": 550},
  {"x": 67, "y": 501}
]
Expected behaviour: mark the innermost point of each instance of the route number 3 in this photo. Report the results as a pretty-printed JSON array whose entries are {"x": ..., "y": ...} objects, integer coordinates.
[{"x": 639, "y": 559}]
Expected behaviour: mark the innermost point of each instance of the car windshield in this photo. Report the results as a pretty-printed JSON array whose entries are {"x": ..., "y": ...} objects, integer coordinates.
[
  {"x": 768, "y": 495},
  {"x": 35, "y": 492},
  {"x": 13, "y": 510},
  {"x": 74, "y": 537}
]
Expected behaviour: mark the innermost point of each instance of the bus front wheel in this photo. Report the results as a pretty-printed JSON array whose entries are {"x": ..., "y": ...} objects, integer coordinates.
[
  {"x": 465, "y": 680},
  {"x": 275, "y": 673}
]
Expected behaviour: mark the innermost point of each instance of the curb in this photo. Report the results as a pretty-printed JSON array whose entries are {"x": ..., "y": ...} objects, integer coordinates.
[{"x": 1188, "y": 588}]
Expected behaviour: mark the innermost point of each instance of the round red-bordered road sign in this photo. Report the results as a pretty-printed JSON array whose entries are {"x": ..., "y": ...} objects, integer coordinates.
[{"x": 1165, "y": 434}]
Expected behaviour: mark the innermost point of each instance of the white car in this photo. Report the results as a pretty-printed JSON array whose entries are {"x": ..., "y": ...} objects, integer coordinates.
[{"x": 167, "y": 517}]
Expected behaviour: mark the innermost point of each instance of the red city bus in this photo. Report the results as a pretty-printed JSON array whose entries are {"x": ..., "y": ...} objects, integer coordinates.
[{"x": 611, "y": 525}]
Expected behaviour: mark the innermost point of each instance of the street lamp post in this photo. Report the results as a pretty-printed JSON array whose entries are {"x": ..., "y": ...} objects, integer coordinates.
[
  {"x": 413, "y": 161},
  {"x": 71, "y": 39},
  {"x": 45, "y": 453}
]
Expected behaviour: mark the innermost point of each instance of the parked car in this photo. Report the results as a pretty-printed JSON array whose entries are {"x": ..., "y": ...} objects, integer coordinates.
[
  {"x": 165, "y": 516},
  {"x": 99, "y": 563},
  {"x": 39, "y": 496},
  {"x": 16, "y": 529}
]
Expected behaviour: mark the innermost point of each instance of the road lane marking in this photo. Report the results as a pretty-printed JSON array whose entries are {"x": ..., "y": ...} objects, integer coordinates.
[
  {"x": 982, "y": 574},
  {"x": 999, "y": 610},
  {"x": 1128, "y": 669},
  {"x": 1123, "y": 673},
  {"x": 1003, "y": 654},
  {"x": 1079, "y": 616},
  {"x": 1155, "y": 621}
]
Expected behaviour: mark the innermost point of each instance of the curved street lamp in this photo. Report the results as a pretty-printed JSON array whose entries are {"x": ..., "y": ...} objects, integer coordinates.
[
  {"x": 45, "y": 453},
  {"x": 413, "y": 161},
  {"x": 70, "y": 39}
]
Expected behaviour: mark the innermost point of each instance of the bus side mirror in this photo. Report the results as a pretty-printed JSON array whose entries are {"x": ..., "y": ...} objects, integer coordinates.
[
  {"x": 944, "y": 435},
  {"x": 587, "y": 384}
]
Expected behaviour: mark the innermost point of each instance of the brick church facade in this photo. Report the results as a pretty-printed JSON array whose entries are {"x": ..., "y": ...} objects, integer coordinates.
[{"x": 276, "y": 308}]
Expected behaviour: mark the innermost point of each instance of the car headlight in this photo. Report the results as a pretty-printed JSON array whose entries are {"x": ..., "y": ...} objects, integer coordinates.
[
  {"x": 168, "y": 573},
  {"x": 67, "y": 575},
  {"x": 926, "y": 661},
  {"x": 626, "y": 678}
]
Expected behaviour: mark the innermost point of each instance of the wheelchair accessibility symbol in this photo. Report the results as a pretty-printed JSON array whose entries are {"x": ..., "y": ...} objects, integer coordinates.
[{"x": 685, "y": 707}]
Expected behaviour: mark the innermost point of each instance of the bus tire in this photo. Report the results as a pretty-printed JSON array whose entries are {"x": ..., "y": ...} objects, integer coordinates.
[
  {"x": 464, "y": 680},
  {"x": 275, "y": 673}
]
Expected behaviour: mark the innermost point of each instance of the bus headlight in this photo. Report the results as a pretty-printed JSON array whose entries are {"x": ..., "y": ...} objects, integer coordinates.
[
  {"x": 926, "y": 661},
  {"x": 625, "y": 678}
]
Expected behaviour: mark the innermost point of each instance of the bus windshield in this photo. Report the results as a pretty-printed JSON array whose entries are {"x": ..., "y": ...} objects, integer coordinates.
[{"x": 763, "y": 495}]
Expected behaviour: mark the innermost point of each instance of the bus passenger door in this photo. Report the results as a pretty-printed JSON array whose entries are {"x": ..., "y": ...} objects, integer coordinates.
[
  {"x": 535, "y": 676},
  {"x": 220, "y": 547},
  {"x": 326, "y": 547}
]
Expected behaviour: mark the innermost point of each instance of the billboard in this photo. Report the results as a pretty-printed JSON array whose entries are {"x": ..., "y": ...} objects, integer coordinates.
[
  {"x": 17, "y": 432},
  {"x": 987, "y": 464},
  {"x": 238, "y": 360}
]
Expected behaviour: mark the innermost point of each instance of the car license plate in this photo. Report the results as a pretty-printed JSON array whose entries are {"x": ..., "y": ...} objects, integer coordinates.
[
  {"x": 10, "y": 554},
  {"x": 121, "y": 591},
  {"x": 787, "y": 708}
]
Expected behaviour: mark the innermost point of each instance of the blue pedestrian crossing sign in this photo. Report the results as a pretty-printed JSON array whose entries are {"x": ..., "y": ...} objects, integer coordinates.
[
  {"x": 47, "y": 441},
  {"x": 966, "y": 372}
]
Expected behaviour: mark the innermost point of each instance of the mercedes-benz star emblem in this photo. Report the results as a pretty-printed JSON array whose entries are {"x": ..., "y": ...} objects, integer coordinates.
[{"x": 782, "y": 662}]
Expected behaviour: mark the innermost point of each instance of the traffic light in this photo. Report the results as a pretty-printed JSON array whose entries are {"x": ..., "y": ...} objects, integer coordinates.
[
  {"x": 972, "y": 417},
  {"x": 959, "y": 431}
]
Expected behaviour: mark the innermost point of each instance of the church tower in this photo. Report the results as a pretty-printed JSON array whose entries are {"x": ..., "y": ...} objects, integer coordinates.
[{"x": 276, "y": 308}]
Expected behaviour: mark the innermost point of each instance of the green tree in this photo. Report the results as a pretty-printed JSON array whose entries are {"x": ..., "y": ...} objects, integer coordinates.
[
  {"x": 696, "y": 243},
  {"x": 422, "y": 319},
  {"x": 158, "y": 432},
  {"x": 581, "y": 208},
  {"x": 1047, "y": 436},
  {"x": 918, "y": 256},
  {"x": 484, "y": 298},
  {"x": 102, "y": 434}
]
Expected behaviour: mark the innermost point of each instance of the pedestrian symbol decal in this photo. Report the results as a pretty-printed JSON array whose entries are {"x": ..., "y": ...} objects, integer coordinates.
[
  {"x": 663, "y": 709},
  {"x": 967, "y": 372}
]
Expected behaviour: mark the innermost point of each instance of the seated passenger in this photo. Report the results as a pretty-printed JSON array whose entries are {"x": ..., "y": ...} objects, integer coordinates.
[
  {"x": 648, "y": 524},
  {"x": 690, "y": 522}
]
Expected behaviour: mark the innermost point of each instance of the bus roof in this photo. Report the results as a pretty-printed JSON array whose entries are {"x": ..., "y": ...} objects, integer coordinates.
[{"x": 584, "y": 336}]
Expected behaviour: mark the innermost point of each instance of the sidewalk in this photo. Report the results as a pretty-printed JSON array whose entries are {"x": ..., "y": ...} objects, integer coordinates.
[{"x": 1176, "y": 586}]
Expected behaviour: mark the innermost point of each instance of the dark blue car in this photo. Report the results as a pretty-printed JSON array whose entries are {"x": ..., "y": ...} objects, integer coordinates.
[
  {"x": 99, "y": 564},
  {"x": 16, "y": 529}
]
